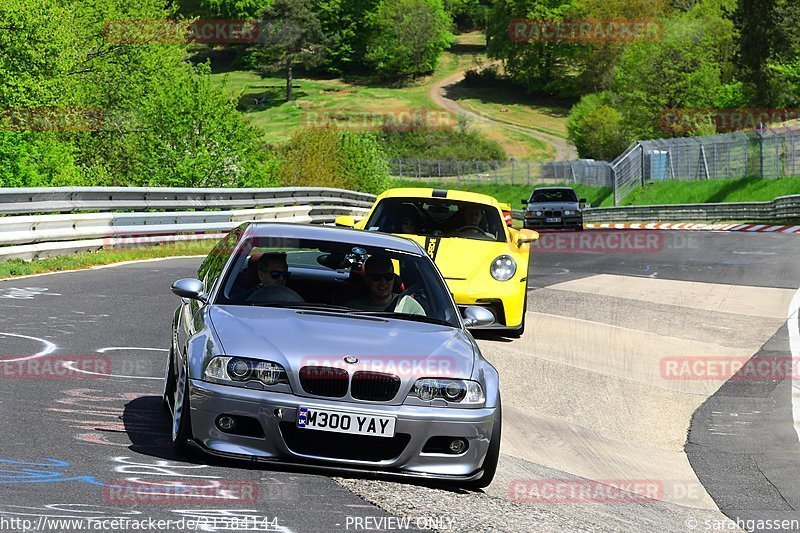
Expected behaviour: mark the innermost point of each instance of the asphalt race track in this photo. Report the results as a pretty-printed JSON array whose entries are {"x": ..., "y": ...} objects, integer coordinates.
[{"x": 603, "y": 390}]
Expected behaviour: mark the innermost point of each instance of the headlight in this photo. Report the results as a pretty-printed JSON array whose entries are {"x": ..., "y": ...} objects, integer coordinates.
[
  {"x": 503, "y": 268},
  {"x": 539, "y": 213},
  {"x": 241, "y": 369},
  {"x": 568, "y": 212},
  {"x": 452, "y": 390}
]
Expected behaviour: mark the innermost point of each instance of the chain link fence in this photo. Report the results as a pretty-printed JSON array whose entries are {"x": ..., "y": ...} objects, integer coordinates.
[
  {"x": 515, "y": 172},
  {"x": 766, "y": 153}
]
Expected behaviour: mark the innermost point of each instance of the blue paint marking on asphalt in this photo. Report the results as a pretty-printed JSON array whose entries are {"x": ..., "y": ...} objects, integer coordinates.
[{"x": 45, "y": 472}]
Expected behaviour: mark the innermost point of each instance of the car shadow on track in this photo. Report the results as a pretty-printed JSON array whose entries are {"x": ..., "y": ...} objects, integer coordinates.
[{"x": 148, "y": 427}]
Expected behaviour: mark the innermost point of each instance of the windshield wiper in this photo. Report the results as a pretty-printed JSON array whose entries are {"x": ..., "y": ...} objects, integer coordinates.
[
  {"x": 406, "y": 316},
  {"x": 299, "y": 305}
]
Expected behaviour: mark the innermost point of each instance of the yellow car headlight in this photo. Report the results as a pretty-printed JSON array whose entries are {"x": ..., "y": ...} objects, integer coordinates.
[{"x": 503, "y": 268}]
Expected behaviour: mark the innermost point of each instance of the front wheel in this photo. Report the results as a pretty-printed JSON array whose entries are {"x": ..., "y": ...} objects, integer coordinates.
[
  {"x": 181, "y": 416},
  {"x": 492, "y": 454}
]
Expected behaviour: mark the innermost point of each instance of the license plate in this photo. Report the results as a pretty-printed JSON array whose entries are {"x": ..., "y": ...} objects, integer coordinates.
[
  {"x": 342, "y": 422},
  {"x": 552, "y": 220}
]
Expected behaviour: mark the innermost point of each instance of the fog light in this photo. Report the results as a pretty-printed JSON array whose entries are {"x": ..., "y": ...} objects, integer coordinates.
[
  {"x": 458, "y": 445},
  {"x": 226, "y": 423}
]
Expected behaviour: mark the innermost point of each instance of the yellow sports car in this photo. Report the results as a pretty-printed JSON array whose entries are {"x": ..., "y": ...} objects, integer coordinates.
[{"x": 483, "y": 261}]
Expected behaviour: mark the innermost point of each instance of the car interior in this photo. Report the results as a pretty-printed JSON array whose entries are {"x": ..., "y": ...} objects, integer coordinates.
[
  {"x": 330, "y": 277},
  {"x": 436, "y": 217}
]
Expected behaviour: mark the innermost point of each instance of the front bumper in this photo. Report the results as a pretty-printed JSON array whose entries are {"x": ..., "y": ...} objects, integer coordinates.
[
  {"x": 283, "y": 442},
  {"x": 566, "y": 222},
  {"x": 505, "y": 299}
]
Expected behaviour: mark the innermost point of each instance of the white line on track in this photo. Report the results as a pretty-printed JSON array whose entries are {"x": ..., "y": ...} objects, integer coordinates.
[
  {"x": 132, "y": 348},
  {"x": 49, "y": 348},
  {"x": 794, "y": 345},
  {"x": 71, "y": 365}
]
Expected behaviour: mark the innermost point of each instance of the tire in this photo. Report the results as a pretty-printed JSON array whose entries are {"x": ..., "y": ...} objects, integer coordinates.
[
  {"x": 492, "y": 454},
  {"x": 169, "y": 385},
  {"x": 181, "y": 419}
]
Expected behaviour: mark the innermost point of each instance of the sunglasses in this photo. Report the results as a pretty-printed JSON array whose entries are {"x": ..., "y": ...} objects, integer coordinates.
[
  {"x": 378, "y": 277},
  {"x": 277, "y": 274}
]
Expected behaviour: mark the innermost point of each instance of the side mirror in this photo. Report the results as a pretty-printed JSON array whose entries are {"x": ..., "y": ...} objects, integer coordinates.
[
  {"x": 526, "y": 235},
  {"x": 476, "y": 316},
  {"x": 524, "y": 201},
  {"x": 347, "y": 221},
  {"x": 189, "y": 288},
  {"x": 582, "y": 201}
]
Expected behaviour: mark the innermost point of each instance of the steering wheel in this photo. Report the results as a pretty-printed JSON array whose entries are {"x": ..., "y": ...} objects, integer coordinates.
[
  {"x": 417, "y": 292},
  {"x": 476, "y": 228}
]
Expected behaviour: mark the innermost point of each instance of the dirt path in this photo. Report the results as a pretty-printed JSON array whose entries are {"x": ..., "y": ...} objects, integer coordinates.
[{"x": 565, "y": 150}]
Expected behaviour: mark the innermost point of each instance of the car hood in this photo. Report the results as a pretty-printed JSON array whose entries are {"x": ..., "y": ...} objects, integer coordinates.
[
  {"x": 296, "y": 338},
  {"x": 460, "y": 258},
  {"x": 549, "y": 206}
]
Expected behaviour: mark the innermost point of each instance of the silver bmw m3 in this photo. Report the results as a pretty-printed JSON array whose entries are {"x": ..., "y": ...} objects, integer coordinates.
[{"x": 331, "y": 348}]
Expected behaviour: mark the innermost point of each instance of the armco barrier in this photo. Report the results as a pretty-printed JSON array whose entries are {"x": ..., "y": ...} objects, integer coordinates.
[
  {"x": 780, "y": 209},
  {"x": 188, "y": 214}
]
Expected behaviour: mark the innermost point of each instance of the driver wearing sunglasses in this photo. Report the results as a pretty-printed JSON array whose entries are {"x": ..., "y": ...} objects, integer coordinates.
[
  {"x": 379, "y": 278},
  {"x": 273, "y": 273}
]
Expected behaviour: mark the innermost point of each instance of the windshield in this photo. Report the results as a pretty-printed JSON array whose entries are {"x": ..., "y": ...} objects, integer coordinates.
[
  {"x": 438, "y": 217},
  {"x": 554, "y": 195},
  {"x": 339, "y": 277}
]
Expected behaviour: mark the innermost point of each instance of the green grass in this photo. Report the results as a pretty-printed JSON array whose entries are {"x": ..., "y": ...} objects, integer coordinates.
[
  {"x": 18, "y": 267},
  {"x": 512, "y": 106},
  {"x": 513, "y": 194},
  {"x": 361, "y": 99},
  {"x": 713, "y": 191}
]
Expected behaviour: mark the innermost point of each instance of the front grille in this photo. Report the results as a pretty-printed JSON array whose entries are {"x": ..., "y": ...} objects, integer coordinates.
[
  {"x": 552, "y": 213},
  {"x": 341, "y": 445},
  {"x": 324, "y": 381},
  {"x": 374, "y": 386}
]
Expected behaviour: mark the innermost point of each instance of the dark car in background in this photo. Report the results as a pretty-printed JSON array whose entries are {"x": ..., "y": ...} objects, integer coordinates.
[{"x": 554, "y": 208}]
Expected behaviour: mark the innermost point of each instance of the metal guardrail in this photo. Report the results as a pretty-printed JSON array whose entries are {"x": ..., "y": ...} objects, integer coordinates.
[
  {"x": 189, "y": 215},
  {"x": 779, "y": 209}
]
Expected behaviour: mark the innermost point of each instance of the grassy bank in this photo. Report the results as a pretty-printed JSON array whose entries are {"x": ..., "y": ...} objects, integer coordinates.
[
  {"x": 18, "y": 267},
  {"x": 713, "y": 191}
]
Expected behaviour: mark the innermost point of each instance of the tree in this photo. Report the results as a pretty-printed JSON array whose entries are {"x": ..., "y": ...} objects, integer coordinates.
[
  {"x": 407, "y": 37},
  {"x": 597, "y": 129},
  {"x": 543, "y": 67},
  {"x": 161, "y": 121},
  {"x": 326, "y": 156},
  {"x": 755, "y": 22},
  {"x": 682, "y": 71},
  {"x": 295, "y": 39}
]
